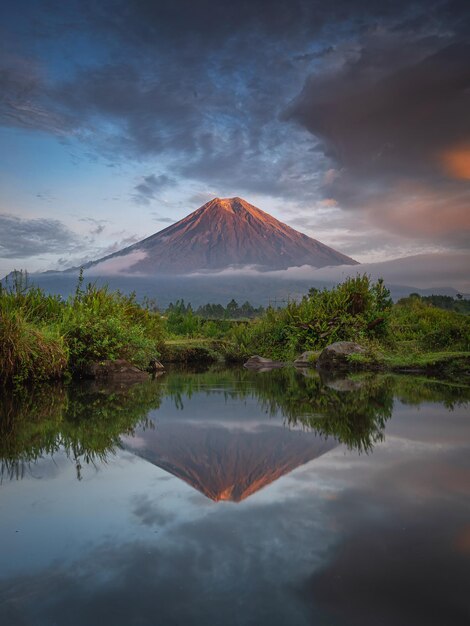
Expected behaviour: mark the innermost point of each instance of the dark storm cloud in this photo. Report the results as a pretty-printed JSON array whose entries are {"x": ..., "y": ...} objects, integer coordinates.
[
  {"x": 382, "y": 115},
  {"x": 149, "y": 512},
  {"x": 394, "y": 122},
  {"x": 150, "y": 186},
  {"x": 25, "y": 102},
  {"x": 30, "y": 237},
  {"x": 189, "y": 577},
  {"x": 263, "y": 97}
]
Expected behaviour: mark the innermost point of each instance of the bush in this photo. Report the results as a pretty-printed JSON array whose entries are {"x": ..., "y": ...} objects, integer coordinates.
[
  {"x": 354, "y": 310},
  {"x": 99, "y": 325}
]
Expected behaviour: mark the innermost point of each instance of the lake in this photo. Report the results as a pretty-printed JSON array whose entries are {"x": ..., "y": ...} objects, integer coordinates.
[{"x": 231, "y": 497}]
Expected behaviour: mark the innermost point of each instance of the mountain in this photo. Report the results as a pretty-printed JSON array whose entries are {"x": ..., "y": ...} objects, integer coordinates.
[
  {"x": 225, "y": 232},
  {"x": 226, "y": 464}
]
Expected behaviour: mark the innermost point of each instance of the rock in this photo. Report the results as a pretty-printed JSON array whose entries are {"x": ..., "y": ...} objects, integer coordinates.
[
  {"x": 335, "y": 356},
  {"x": 306, "y": 359},
  {"x": 119, "y": 370},
  {"x": 155, "y": 366},
  {"x": 261, "y": 364}
]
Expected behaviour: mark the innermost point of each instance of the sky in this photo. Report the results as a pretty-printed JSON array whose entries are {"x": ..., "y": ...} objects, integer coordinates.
[{"x": 347, "y": 120}]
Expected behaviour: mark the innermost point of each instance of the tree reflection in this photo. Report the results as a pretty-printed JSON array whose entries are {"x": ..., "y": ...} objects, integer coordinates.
[{"x": 87, "y": 420}]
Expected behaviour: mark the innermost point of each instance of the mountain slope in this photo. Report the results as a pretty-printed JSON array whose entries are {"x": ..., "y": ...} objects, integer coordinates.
[{"x": 222, "y": 233}]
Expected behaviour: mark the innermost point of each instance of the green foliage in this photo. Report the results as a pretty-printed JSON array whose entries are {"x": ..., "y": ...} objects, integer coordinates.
[
  {"x": 459, "y": 304},
  {"x": 192, "y": 351},
  {"x": 354, "y": 310},
  {"x": 98, "y": 324},
  {"x": 417, "y": 325},
  {"x": 86, "y": 420},
  {"x": 212, "y": 312},
  {"x": 181, "y": 320},
  {"x": 212, "y": 321},
  {"x": 31, "y": 345},
  {"x": 81, "y": 418},
  {"x": 28, "y": 352},
  {"x": 41, "y": 336}
]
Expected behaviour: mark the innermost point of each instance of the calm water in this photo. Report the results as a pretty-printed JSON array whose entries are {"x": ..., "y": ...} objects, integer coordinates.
[{"x": 236, "y": 498}]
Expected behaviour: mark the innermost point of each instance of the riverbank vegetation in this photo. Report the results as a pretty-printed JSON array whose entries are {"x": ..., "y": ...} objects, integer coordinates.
[{"x": 43, "y": 336}]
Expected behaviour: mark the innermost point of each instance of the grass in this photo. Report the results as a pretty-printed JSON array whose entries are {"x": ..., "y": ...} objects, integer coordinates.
[
  {"x": 187, "y": 350},
  {"x": 42, "y": 336},
  {"x": 416, "y": 361},
  {"x": 28, "y": 352}
]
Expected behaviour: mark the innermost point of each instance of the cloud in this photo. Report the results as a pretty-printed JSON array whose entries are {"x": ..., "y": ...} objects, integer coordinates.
[
  {"x": 97, "y": 226},
  {"x": 121, "y": 264},
  {"x": 360, "y": 103},
  {"x": 26, "y": 101},
  {"x": 161, "y": 218},
  {"x": 393, "y": 120},
  {"x": 367, "y": 531},
  {"x": 150, "y": 186},
  {"x": 401, "y": 541},
  {"x": 149, "y": 513},
  {"x": 456, "y": 161},
  {"x": 25, "y": 238},
  {"x": 424, "y": 271}
]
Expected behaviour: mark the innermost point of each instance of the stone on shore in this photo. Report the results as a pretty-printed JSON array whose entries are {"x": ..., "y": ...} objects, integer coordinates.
[
  {"x": 155, "y": 366},
  {"x": 119, "y": 371},
  {"x": 335, "y": 356}
]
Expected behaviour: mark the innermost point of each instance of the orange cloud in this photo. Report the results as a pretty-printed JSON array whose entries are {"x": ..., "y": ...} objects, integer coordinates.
[
  {"x": 463, "y": 540},
  {"x": 456, "y": 162},
  {"x": 416, "y": 210}
]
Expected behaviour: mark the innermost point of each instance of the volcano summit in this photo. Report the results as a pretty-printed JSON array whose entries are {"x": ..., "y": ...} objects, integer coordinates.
[{"x": 225, "y": 232}]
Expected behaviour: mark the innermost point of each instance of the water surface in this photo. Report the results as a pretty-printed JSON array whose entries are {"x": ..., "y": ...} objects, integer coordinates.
[{"x": 236, "y": 498}]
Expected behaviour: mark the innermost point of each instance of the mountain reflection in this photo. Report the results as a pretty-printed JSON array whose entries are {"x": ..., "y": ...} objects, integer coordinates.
[
  {"x": 226, "y": 463},
  {"x": 278, "y": 421}
]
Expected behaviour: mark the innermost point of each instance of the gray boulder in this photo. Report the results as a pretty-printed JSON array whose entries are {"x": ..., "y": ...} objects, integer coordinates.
[
  {"x": 117, "y": 371},
  {"x": 335, "y": 356}
]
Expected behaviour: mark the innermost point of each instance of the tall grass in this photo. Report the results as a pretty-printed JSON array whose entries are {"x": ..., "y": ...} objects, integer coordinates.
[
  {"x": 42, "y": 336},
  {"x": 28, "y": 352},
  {"x": 420, "y": 325}
]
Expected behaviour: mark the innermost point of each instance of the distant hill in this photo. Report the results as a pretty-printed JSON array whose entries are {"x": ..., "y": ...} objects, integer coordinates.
[{"x": 225, "y": 232}]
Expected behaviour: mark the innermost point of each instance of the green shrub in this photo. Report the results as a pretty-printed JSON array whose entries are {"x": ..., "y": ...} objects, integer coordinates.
[
  {"x": 99, "y": 324},
  {"x": 354, "y": 310}
]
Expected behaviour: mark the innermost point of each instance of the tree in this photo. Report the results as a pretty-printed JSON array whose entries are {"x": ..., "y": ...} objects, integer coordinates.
[{"x": 232, "y": 308}]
